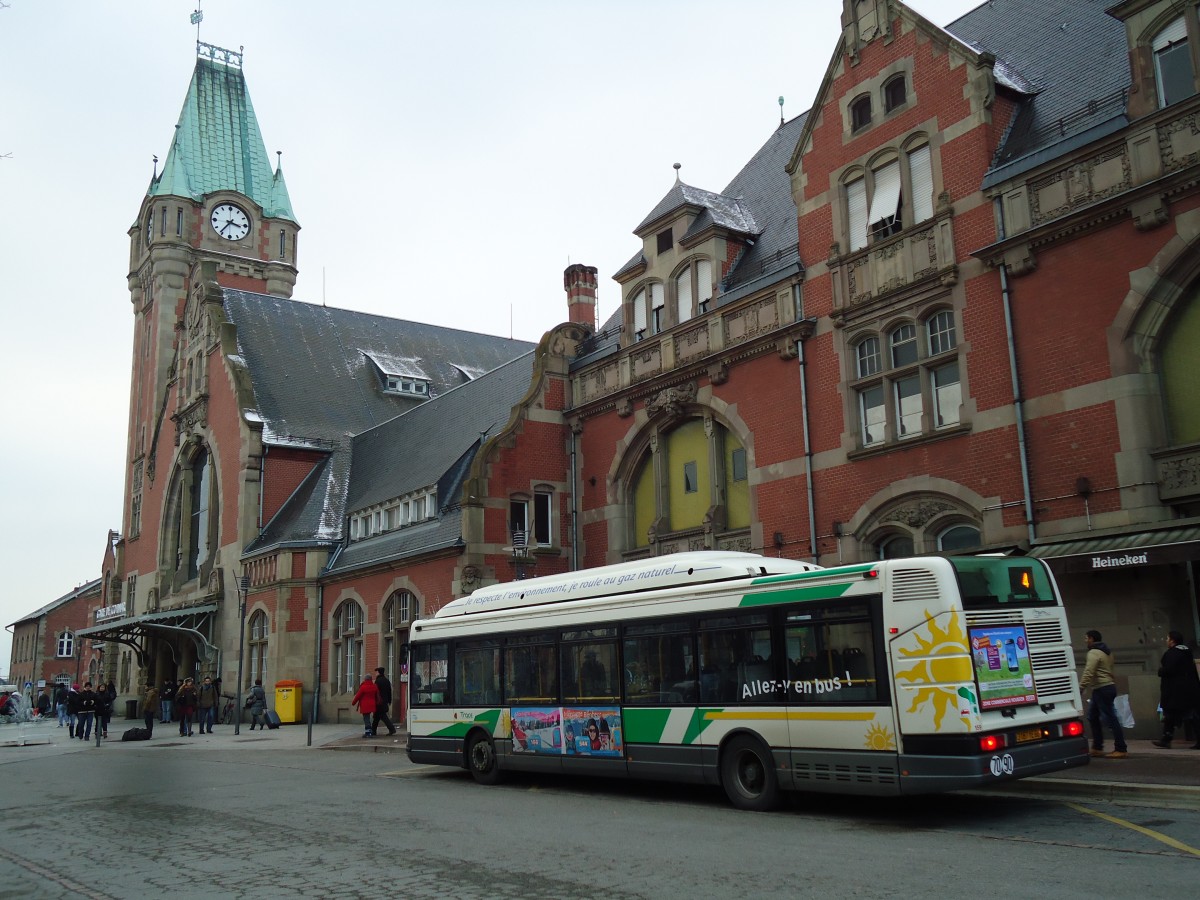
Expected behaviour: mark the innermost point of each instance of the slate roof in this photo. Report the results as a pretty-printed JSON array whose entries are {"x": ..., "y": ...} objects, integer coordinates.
[
  {"x": 1070, "y": 51},
  {"x": 315, "y": 387},
  {"x": 757, "y": 202},
  {"x": 431, "y": 444},
  {"x": 54, "y": 604},
  {"x": 217, "y": 144}
]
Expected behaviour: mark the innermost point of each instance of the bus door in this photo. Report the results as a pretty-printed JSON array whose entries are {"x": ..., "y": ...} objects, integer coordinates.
[
  {"x": 837, "y": 690},
  {"x": 591, "y": 735}
]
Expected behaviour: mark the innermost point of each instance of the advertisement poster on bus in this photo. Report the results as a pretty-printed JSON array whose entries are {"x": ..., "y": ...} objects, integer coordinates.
[
  {"x": 1003, "y": 670},
  {"x": 571, "y": 731}
]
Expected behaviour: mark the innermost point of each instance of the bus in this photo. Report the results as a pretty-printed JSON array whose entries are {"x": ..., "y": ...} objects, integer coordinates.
[{"x": 757, "y": 674}]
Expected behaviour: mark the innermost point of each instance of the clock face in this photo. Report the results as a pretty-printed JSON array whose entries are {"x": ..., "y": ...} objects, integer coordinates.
[{"x": 230, "y": 222}]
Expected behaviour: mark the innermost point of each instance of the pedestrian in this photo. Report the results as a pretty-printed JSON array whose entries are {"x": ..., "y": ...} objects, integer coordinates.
[
  {"x": 257, "y": 704},
  {"x": 167, "y": 698},
  {"x": 1098, "y": 674},
  {"x": 385, "y": 703},
  {"x": 74, "y": 698},
  {"x": 150, "y": 707},
  {"x": 87, "y": 712},
  {"x": 60, "y": 704},
  {"x": 367, "y": 701},
  {"x": 43, "y": 704},
  {"x": 103, "y": 709},
  {"x": 1179, "y": 691},
  {"x": 207, "y": 700},
  {"x": 185, "y": 706}
]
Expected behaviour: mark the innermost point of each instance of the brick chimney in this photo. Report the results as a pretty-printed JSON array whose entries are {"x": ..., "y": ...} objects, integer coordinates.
[{"x": 580, "y": 283}]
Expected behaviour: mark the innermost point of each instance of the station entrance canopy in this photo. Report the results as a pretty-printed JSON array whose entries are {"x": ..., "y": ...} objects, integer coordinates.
[{"x": 191, "y": 622}]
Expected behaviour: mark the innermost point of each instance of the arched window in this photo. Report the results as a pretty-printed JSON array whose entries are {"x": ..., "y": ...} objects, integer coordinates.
[
  {"x": 257, "y": 644},
  {"x": 398, "y": 612},
  {"x": 860, "y": 112},
  {"x": 192, "y": 533},
  {"x": 66, "y": 645},
  {"x": 1180, "y": 367},
  {"x": 676, "y": 489},
  {"x": 958, "y": 537},
  {"x": 895, "y": 546},
  {"x": 693, "y": 290},
  {"x": 649, "y": 310},
  {"x": 347, "y": 640},
  {"x": 895, "y": 92}
]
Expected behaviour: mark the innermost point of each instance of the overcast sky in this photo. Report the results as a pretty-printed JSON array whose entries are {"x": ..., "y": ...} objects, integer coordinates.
[{"x": 446, "y": 161}]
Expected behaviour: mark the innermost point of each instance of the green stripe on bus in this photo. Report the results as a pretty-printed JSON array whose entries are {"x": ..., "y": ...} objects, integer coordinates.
[
  {"x": 644, "y": 726},
  {"x": 796, "y": 595},
  {"x": 819, "y": 573},
  {"x": 488, "y": 719}
]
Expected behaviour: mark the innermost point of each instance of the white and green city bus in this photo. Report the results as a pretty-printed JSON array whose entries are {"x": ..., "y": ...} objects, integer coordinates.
[{"x": 904, "y": 676}]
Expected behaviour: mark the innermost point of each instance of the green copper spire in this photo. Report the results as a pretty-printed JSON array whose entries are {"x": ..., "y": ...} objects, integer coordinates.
[{"x": 217, "y": 145}]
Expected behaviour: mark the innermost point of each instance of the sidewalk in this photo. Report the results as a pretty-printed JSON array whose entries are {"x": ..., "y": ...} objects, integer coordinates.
[{"x": 1148, "y": 776}]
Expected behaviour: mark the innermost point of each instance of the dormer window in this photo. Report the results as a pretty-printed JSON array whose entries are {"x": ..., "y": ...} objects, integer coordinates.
[
  {"x": 860, "y": 113},
  {"x": 665, "y": 242},
  {"x": 1173, "y": 64},
  {"x": 648, "y": 304},
  {"x": 895, "y": 93},
  {"x": 397, "y": 384}
]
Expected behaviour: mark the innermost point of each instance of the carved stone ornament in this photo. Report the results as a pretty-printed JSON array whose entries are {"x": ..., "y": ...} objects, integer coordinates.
[
  {"x": 718, "y": 372},
  {"x": 918, "y": 513},
  {"x": 624, "y": 407},
  {"x": 672, "y": 400},
  {"x": 470, "y": 579}
]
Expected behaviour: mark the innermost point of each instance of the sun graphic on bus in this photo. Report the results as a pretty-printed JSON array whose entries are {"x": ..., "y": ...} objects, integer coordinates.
[
  {"x": 880, "y": 737},
  {"x": 945, "y": 664}
]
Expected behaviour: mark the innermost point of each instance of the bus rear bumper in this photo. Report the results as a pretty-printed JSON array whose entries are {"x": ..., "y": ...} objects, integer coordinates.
[{"x": 934, "y": 774}]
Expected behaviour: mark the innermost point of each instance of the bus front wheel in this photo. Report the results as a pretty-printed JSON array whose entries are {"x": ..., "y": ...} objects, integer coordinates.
[
  {"x": 481, "y": 759},
  {"x": 748, "y": 775}
]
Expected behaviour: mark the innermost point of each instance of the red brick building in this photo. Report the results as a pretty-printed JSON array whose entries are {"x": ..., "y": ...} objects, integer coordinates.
[{"x": 950, "y": 309}]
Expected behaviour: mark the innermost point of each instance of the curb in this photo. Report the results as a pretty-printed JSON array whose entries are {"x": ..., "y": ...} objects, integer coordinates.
[{"x": 1122, "y": 792}]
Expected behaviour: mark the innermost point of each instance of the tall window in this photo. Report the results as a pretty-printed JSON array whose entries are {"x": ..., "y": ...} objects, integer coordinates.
[
  {"x": 860, "y": 112},
  {"x": 693, "y": 290},
  {"x": 648, "y": 306},
  {"x": 918, "y": 391},
  {"x": 895, "y": 93},
  {"x": 531, "y": 522},
  {"x": 1173, "y": 64},
  {"x": 398, "y": 612},
  {"x": 66, "y": 645},
  {"x": 347, "y": 648},
  {"x": 876, "y": 207},
  {"x": 257, "y": 644},
  {"x": 193, "y": 495}
]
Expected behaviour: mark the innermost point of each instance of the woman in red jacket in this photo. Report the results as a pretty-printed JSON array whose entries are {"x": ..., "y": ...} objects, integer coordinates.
[{"x": 367, "y": 701}]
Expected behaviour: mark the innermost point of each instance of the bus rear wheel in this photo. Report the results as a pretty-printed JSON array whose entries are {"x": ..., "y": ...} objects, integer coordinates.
[
  {"x": 481, "y": 759},
  {"x": 748, "y": 775}
]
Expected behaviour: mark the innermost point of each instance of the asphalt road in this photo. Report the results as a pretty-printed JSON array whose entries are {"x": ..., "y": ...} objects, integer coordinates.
[{"x": 180, "y": 818}]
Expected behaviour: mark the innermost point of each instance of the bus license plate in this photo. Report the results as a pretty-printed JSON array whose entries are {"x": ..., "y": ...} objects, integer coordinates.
[{"x": 1029, "y": 734}]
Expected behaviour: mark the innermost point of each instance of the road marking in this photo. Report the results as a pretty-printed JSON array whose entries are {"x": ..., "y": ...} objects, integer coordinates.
[
  {"x": 1158, "y": 836},
  {"x": 398, "y": 773}
]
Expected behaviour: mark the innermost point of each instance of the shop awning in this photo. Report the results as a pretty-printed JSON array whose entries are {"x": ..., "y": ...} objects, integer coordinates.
[{"x": 1122, "y": 551}]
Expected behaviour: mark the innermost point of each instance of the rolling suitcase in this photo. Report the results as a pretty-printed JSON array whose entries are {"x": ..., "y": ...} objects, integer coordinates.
[{"x": 272, "y": 719}]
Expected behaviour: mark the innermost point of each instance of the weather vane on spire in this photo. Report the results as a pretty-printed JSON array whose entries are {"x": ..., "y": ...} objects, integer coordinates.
[{"x": 197, "y": 18}]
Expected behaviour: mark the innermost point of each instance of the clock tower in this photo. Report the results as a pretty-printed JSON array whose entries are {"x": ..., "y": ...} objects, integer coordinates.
[{"x": 216, "y": 214}]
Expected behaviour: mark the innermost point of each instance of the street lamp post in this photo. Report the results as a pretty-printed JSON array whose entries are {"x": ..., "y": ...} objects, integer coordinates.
[{"x": 243, "y": 589}]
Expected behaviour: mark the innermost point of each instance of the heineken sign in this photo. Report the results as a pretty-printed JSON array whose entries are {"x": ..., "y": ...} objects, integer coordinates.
[{"x": 1115, "y": 560}]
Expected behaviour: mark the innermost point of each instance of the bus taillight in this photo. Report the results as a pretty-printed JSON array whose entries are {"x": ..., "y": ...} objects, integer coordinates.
[
  {"x": 1073, "y": 729},
  {"x": 990, "y": 742}
]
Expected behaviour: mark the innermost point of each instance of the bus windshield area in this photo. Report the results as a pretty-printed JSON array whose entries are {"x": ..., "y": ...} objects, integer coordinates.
[{"x": 988, "y": 581}]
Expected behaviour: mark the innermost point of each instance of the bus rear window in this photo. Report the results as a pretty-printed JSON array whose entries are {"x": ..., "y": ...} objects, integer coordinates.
[{"x": 1003, "y": 581}]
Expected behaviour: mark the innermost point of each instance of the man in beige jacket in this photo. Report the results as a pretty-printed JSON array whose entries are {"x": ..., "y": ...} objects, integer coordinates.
[{"x": 1098, "y": 674}]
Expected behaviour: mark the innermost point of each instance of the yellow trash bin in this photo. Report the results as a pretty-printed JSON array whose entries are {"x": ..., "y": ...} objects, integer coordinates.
[{"x": 287, "y": 700}]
